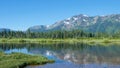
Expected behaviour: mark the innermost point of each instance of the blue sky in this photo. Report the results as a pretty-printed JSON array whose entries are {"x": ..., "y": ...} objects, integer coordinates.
[{"x": 22, "y": 14}]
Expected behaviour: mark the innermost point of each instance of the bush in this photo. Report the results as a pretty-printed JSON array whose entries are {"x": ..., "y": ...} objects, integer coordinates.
[
  {"x": 106, "y": 41},
  {"x": 3, "y": 40},
  {"x": 21, "y": 40}
]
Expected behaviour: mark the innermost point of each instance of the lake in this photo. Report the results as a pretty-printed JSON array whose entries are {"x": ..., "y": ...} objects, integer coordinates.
[{"x": 77, "y": 55}]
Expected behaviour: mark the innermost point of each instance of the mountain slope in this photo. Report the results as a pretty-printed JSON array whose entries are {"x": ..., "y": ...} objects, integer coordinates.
[
  {"x": 4, "y": 29},
  {"x": 108, "y": 23}
]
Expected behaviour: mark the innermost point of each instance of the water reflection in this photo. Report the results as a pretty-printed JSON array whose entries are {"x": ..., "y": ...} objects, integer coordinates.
[{"x": 78, "y": 53}]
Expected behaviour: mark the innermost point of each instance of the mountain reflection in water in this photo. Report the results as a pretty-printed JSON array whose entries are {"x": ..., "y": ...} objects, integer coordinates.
[{"x": 77, "y": 55}]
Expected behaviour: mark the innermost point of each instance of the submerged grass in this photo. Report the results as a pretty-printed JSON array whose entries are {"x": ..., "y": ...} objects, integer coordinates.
[{"x": 20, "y": 60}]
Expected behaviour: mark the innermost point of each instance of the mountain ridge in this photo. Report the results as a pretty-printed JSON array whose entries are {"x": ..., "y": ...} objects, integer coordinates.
[{"x": 106, "y": 23}]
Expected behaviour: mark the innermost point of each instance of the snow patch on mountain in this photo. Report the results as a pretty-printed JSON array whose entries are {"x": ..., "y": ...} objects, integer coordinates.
[
  {"x": 84, "y": 20},
  {"x": 85, "y": 15},
  {"x": 48, "y": 26},
  {"x": 75, "y": 18},
  {"x": 66, "y": 22},
  {"x": 68, "y": 18}
]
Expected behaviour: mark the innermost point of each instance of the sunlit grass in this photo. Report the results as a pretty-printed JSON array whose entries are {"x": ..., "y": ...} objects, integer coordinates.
[{"x": 68, "y": 40}]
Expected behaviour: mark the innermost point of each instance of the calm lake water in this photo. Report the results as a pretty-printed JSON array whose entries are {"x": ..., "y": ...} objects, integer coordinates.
[{"x": 76, "y": 55}]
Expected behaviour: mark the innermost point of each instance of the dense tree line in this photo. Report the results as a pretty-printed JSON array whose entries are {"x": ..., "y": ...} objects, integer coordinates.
[
  {"x": 56, "y": 34},
  {"x": 50, "y": 34}
]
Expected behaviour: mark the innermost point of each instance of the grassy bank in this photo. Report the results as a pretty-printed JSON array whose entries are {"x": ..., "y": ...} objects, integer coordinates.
[
  {"x": 83, "y": 40},
  {"x": 19, "y": 60}
]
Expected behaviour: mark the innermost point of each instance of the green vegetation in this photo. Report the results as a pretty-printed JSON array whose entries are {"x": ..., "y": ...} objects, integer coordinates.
[
  {"x": 76, "y": 34},
  {"x": 49, "y": 41},
  {"x": 58, "y": 36},
  {"x": 19, "y": 60},
  {"x": 49, "y": 34}
]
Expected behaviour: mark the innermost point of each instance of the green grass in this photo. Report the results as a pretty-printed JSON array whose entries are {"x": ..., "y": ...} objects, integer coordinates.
[
  {"x": 20, "y": 60},
  {"x": 69, "y": 40}
]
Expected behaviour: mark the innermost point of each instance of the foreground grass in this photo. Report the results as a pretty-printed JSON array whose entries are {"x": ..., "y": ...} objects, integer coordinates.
[
  {"x": 19, "y": 60},
  {"x": 83, "y": 40}
]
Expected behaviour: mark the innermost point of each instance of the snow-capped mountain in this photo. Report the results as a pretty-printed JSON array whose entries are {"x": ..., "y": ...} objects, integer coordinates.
[{"x": 103, "y": 23}]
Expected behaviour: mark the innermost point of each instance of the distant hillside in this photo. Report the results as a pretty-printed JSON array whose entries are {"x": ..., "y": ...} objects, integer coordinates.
[{"x": 4, "y": 29}]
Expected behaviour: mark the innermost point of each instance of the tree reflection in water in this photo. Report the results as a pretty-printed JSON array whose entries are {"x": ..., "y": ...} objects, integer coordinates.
[{"x": 77, "y": 53}]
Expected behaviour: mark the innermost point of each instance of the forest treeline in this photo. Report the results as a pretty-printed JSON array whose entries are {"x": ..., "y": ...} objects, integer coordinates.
[{"x": 56, "y": 34}]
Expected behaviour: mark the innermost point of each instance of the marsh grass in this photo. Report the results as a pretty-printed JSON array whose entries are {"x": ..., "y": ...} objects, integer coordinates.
[
  {"x": 106, "y": 41},
  {"x": 20, "y": 60},
  {"x": 68, "y": 40}
]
